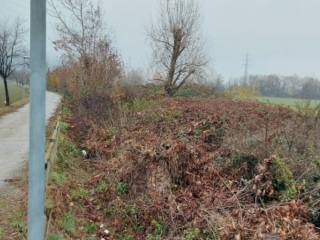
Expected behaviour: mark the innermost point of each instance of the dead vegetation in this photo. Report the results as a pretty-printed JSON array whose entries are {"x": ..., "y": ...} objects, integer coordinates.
[
  {"x": 134, "y": 165},
  {"x": 189, "y": 169},
  {"x": 13, "y": 209}
]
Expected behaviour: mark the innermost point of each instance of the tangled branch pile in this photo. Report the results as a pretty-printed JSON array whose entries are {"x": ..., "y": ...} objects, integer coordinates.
[{"x": 193, "y": 169}]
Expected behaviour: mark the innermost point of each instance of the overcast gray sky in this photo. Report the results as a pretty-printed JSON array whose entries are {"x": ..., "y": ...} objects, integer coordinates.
[{"x": 281, "y": 36}]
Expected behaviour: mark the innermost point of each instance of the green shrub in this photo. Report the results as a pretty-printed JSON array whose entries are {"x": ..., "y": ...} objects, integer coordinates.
[
  {"x": 20, "y": 226},
  {"x": 67, "y": 150},
  {"x": 130, "y": 216},
  {"x": 68, "y": 223},
  {"x": 70, "y": 148},
  {"x": 63, "y": 126},
  {"x": 66, "y": 111},
  {"x": 90, "y": 228},
  {"x": 158, "y": 228},
  {"x": 131, "y": 209},
  {"x": 79, "y": 193},
  {"x": 191, "y": 234},
  {"x": 55, "y": 237},
  {"x": 101, "y": 187},
  {"x": 91, "y": 238},
  {"x": 122, "y": 188},
  {"x": 1, "y": 234},
  {"x": 282, "y": 179},
  {"x": 57, "y": 178}
]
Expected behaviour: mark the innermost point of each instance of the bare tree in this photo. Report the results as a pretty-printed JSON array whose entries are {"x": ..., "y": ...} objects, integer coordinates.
[
  {"x": 11, "y": 52},
  {"x": 79, "y": 25},
  {"x": 176, "y": 44},
  {"x": 21, "y": 77},
  {"x": 84, "y": 43}
]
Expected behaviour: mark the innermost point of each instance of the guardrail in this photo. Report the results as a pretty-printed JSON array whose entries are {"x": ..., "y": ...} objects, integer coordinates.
[
  {"x": 50, "y": 159},
  {"x": 51, "y": 152}
]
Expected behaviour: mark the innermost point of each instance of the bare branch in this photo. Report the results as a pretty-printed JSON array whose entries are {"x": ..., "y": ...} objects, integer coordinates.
[
  {"x": 85, "y": 46},
  {"x": 175, "y": 39},
  {"x": 11, "y": 51}
]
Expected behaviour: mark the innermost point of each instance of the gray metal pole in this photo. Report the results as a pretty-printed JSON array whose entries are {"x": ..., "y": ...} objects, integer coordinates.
[{"x": 36, "y": 194}]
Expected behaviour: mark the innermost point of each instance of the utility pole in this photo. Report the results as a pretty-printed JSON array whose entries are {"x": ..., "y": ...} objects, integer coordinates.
[
  {"x": 36, "y": 193},
  {"x": 246, "y": 70}
]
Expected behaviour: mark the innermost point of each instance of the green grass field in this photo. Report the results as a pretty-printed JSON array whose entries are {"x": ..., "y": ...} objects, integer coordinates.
[
  {"x": 16, "y": 93},
  {"x": 290, "y": 102}
]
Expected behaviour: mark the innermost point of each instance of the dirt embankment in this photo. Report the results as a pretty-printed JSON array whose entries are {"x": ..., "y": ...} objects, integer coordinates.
[{"x": 188, "y": 169}]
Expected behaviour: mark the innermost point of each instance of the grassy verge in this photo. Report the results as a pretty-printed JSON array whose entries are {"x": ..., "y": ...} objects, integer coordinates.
[
  {"x": 290, "y": 102},
  {"x": 13, "y": 200},
  {"x": 13, "y": 107},
  {"x": 16, "y": 93},
  {"x": 13, "y": 205},
  {"x": 18, "y": 98}
]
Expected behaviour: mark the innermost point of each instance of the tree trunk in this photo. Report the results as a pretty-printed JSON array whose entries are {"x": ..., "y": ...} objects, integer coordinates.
[
  {"x": 169, "y": 90},
  {"x": 6, "y": 91}
]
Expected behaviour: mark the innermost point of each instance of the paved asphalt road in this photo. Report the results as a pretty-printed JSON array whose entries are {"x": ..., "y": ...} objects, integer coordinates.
[{"x": 14, "y": 137}]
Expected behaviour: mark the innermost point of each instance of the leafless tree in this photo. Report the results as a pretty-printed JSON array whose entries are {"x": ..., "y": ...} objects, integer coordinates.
[
  {"x": 21, "y": 77},
  {"x": 85, "y": 44},
  {"x": 11, "y": 52},
  {"x": 176, "y": 44},
  {"x": 79, "y": 25}
]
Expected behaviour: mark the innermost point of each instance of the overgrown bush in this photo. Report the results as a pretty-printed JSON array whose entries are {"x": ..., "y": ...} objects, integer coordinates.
[
  {"x": 196, "y": 90},
  {"x": 248, "y": 162},
  {"x": 241, "y": 93},
  {"x": 98, "y": 108},
  {"x": 197, "y": 169},
  {"x": 275, "y": 180}
]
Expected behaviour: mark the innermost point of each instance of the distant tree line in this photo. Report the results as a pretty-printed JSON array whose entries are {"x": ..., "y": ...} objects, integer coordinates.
[{"x": 283, "y": 86}]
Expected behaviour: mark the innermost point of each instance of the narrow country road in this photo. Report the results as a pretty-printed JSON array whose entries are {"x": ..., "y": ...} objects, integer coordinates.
[{"x": 14, "y": 137}]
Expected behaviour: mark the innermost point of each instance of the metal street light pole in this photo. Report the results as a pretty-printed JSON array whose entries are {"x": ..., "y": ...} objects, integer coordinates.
[{"x": 36, "y": 194}]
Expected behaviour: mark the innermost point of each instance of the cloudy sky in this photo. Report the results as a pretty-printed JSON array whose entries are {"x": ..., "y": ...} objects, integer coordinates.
[{"x": 281, "y": 36}]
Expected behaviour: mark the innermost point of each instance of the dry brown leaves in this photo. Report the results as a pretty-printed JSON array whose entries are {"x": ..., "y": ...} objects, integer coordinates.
[{"x": 174, "y": 166}]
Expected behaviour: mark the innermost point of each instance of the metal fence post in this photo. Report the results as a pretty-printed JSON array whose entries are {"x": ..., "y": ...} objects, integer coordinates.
[{"x": 36, "y": 196}]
